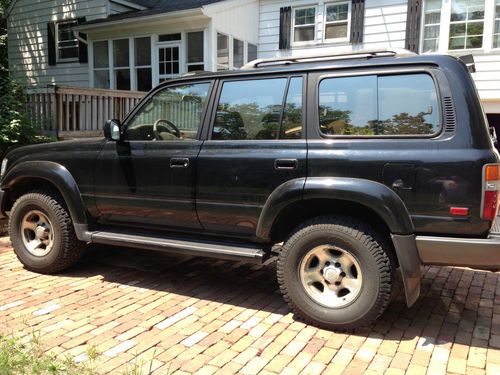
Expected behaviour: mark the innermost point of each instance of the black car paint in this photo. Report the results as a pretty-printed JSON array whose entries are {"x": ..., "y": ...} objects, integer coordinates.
[
  {"x": 227, "y": 184},
  {"x": 232, "y": 189}
]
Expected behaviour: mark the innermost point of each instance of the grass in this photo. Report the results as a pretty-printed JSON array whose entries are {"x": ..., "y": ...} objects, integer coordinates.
[{"x": 28, "y": 356}]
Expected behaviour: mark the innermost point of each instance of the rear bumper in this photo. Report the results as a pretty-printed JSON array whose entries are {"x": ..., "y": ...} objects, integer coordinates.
[{"x": 483, "y": 253}]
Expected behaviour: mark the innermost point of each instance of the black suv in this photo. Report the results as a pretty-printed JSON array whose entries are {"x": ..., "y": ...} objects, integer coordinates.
[{"x": 346, "y": 166}]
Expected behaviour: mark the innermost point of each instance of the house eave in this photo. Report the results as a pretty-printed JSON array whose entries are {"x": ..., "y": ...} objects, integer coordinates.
[{"x": 148, "y": 19}]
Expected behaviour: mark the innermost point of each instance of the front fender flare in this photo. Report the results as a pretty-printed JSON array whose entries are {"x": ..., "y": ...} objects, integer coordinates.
[{"x": 54, "y": 173}]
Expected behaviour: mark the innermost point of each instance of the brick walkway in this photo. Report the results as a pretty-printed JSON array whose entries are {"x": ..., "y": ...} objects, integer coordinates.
[{"x": 187, "y": 315}]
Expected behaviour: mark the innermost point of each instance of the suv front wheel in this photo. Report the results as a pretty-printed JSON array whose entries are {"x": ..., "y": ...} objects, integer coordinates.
[
  {"x": 335, "y": 273},
  {"x": 42, "y": 233}
]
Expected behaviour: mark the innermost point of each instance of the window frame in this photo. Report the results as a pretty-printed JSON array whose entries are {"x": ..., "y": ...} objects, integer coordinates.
[
  {"x": 444, "y": 30},
  {"x": 380, "y": 72},
  {"x": 77, "y": 47},
  {"x": 218, "y": 91},
  {"x": 308, "y": 42},
  {"x": 164, "y": 86},
  {"x": 495, "y": 20},
  {"x": 325, "y": 23},
  {"x": 466, "y": 23}
]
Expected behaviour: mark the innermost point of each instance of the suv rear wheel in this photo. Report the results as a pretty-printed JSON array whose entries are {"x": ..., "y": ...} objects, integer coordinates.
[
  {"x": 335, "y": 273},
  {"x": 42, "y": 233}
]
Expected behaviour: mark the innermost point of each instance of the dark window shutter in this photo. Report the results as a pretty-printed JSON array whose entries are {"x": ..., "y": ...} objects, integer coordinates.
[
  {"x": 51, "y": 37},
  {"x": 357, "y": 21},
  {"x": 285, "y": 27},
  {"x": 413, "y": 25},
  {"x": 83, "y": 55}
]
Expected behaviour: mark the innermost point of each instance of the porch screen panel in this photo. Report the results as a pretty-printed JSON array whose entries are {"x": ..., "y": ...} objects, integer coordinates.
[
  {"x": 101, "y": 65},
  {"x": 195, "y": 52},
  {"x": 222, "y": 52},
  {"x": 121, "y": 64},
  {"x": 143, "y": 63}
]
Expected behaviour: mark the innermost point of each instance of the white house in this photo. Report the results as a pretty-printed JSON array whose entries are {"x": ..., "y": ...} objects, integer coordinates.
[
  {"x": 135, "y": 44},
  {"x": 127, "y": 45}
]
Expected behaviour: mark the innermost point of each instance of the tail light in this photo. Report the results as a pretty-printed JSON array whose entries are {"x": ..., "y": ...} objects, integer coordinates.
[{"x": 491, "y": 192}]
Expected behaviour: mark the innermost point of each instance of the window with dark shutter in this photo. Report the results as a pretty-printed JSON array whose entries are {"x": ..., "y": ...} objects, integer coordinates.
[
  {"x": 51, "y": 40},
  {"x": 83, "y": 56},
  {"x": 357, "y": 21},
  {"x": 285, "y": 27},
  {"x": 413, "y": 25}
]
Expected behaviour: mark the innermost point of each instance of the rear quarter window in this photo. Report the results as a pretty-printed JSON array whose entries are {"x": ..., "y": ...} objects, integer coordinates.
[{"x": 379, "y": 105}]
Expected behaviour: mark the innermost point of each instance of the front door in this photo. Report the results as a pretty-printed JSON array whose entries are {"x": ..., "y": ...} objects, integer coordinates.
[
  {"x": 147, "y": 179},
  {"x": 255, "y": 144},
  {"x": 169, "y": 61}
]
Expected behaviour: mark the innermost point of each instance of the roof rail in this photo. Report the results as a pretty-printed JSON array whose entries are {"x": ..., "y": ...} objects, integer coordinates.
[
  {"x": 359, "y": 54},
  {"x": 195, "y": 73}
]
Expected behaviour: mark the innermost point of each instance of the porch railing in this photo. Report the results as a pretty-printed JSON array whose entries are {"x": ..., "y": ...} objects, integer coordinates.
[{"x": 71, "y": 112}]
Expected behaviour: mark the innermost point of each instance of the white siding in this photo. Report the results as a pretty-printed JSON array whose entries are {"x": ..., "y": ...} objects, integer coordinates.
[
  {"x": 236, "y": 18},
  {"x": 384, "y": 26},
  {"x": 27, "y": 38},
  {"x": 487, "y": 78}
]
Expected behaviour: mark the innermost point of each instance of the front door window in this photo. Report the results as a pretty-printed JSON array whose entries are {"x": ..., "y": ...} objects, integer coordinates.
[{"x": 168, "y": 62}]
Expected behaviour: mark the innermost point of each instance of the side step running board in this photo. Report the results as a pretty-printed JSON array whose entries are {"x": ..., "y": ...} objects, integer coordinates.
[{"x": 220, "y": 250}]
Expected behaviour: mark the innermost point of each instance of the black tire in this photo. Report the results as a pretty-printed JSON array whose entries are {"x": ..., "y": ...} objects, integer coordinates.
[
  {"x": 66, "y": 249},
  {"x": 357, "y": 240}
]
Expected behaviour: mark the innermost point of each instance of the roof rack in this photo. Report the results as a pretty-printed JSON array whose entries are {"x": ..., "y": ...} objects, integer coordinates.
[
  {"x": 195, "y": 73},
  {"x": 359, "y": 54}
]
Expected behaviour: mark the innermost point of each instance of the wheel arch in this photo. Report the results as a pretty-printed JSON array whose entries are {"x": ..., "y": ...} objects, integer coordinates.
[
  {"x": 299, "y": 200},
  {"x": 34, "y": 175}
]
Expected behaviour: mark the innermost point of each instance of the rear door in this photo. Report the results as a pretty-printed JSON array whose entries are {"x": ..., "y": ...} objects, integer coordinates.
[{"x": 255, "y": 143}]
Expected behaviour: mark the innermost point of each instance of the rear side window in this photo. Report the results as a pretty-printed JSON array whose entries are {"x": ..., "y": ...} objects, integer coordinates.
[
  {"x": 259, "y": 109},
  {"x": 394, "y": 105}
]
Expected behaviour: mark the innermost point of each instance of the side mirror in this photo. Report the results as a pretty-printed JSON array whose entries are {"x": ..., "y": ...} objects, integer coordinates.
[{"x": 112, "y": 130}]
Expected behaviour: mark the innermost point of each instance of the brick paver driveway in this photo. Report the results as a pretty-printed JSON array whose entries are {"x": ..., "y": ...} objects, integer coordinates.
[{"x": 187, "y": 315}]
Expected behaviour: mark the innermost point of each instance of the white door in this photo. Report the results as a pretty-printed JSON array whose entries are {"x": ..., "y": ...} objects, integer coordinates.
[{"x": 169, "y": 62}]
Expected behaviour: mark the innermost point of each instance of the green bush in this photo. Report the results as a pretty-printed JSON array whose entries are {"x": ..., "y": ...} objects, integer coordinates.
[{"x": 15, "y": 127}]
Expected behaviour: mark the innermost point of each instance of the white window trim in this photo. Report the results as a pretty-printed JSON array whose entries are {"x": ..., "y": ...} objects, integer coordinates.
[
  {"x": 444, "y": 30},
  {"x": 325, "y": 23},
  {"x": 308, "y": 42},
  {"x": 70, "y": 59}
]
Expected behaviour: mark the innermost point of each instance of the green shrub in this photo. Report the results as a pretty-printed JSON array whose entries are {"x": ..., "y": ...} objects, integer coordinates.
[{"x": 15, "y": 127}]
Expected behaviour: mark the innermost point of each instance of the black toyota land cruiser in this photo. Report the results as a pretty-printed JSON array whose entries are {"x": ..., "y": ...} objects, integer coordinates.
[{"x": 346, "y": 166}]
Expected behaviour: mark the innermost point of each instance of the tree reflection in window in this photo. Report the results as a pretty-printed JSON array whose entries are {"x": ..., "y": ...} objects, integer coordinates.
[{"x": 384, "y": 105}]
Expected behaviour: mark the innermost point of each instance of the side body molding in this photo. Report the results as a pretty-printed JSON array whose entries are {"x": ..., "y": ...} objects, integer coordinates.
[{"x": 55, "y": 174}]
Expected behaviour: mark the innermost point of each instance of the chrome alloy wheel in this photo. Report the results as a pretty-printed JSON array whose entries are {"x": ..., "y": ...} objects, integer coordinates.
[
  {"x": 331, "y": 276},
  {"x": 36, "y": 232}
]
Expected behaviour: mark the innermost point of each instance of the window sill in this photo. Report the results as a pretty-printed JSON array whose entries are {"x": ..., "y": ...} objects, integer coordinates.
[{"x": 322, "y": 44}]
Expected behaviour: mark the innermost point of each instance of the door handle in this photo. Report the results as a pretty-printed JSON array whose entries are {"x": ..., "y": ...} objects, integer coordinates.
[
  {"x": 179, "y": 163},
  {"x": 400, "y": 185},
  {"x": 286, "y": 164}
]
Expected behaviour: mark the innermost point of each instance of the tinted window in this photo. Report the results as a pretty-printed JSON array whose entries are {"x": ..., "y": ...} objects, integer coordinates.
[
  {"x": 172, "y": 114},
  {"x": 253, "y": 110},
  {"x": 379, "y": 105},
  {"x": 250, "y": 109}
]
